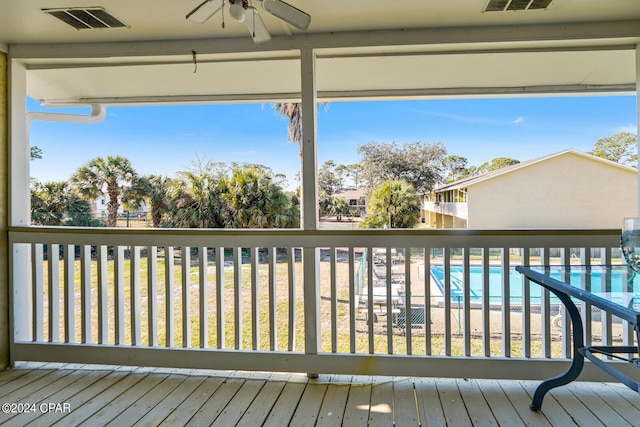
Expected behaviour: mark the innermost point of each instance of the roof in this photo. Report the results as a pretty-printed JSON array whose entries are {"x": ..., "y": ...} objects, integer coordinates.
[
  {"x": 349, "y": 193},
  {"x": 412, "y": 49},
  {"x": 473, "y": 180}
]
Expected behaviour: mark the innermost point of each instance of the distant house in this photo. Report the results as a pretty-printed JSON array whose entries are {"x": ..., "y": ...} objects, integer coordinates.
[
  {"x": 569, "y": 189},
  {"x": 355, "y": 198}
]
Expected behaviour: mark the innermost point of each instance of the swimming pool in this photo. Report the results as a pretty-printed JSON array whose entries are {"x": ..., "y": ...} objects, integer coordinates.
[{"x": 515, "y": 283}]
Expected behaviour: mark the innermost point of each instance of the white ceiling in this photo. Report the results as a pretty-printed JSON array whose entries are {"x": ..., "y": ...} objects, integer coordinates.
[{"x": 365, "y": 48}]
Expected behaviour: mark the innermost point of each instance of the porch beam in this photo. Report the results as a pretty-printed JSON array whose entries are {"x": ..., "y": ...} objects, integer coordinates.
[{"x": 599, "y": 33}]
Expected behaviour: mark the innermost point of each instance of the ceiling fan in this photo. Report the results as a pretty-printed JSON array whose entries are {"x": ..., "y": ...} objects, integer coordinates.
[{"x": 243, "y": 11}]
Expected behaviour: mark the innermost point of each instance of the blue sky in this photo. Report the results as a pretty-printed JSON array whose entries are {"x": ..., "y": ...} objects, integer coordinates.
[{"x": 166, "y": 139}]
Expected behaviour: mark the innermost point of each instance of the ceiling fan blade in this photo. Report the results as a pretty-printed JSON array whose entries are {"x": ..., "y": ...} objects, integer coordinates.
[
  {"x": 204, "y": 11},
  {"x": 287, "y": 13},
  {"x": 256, "y": 26}
]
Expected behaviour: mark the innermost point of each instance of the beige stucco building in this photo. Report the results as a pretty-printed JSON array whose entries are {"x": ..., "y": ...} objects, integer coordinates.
[{"x": 569, "y": 189}]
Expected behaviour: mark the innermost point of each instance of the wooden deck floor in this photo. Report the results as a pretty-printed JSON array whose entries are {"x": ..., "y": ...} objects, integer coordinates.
[{"x": 69, "y": 395}]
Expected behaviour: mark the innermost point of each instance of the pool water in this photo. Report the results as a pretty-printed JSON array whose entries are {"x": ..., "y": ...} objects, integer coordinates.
[{"x": 515, "y": 283}]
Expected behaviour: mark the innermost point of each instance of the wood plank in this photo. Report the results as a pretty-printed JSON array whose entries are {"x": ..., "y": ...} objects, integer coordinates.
[
  {"x": 239, "y": 404},
  {"x": 405, "y": 410},
  {"x": 429, "y": 406},
  {"x": 499, "y": 403},
  {"x": 94, "y": 397},
  {"x": 356, "y": 411},
  {"x": 597, "y": 405},
  {"x": 146, "y": 403},
  {"x": 551, "y": 409},
  {"x": 82, "y": 380},
  {"x": 9, "y": 375},
  {"x": 452, "y": 403},
  {"x": 381, "y": 410},
  {"x": 123, "y": 401},
  {"x": 521, "y": 400},
  {"x": 216, "y": 402},
  {"x": 306, "y": 413},
  {"x": 257, "y": 413},
  {"x": 628, "y": 394},
  {"x": 285, "y": 406},
  {"x": 333, "y": 405},
  {"x": 36, "y": 393},
  {"x": 193, "y": 402},
  {"x": 167, "y": 405},
  {"x": 10, "y": 387},
  {"x": 477, "y": 407},
  {"x": 613, "y": 399},
  {"x": 575, "y": 408}
]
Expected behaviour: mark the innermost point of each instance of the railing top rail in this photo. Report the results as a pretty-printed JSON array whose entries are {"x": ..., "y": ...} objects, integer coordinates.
[{"x": 319, "y": 238}]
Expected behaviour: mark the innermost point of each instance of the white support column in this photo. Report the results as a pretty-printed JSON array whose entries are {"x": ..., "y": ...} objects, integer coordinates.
[
  {"x": 4, "y": 255},
  {"x": 309, "y": 149},
  {"x": 638, "y": 115},
  {"x": 19, "y": 198},
  {"x": 311, "y": 255}
]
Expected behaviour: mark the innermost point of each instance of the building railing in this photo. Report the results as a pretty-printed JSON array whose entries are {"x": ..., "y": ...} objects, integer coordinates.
[
  {"x": 457, "y": 209},
  {"x": 445, "y": 302}
]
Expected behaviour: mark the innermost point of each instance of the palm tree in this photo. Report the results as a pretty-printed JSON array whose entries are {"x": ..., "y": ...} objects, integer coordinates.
[
  {"x": 53, "y": 203},
  {"x": 393, "y": 204},
  {"x": 113, "y": 175},
  {"x": 196, "y": 201},
  {"x": 155, "y": 190}
]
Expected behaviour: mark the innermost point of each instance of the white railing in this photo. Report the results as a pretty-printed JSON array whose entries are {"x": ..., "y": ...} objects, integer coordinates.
[
  {"x": 457, "y": 209},
  {"x": 445, "y": 303}
]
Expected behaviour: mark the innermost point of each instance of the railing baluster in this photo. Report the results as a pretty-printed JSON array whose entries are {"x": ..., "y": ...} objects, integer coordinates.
[
  {"x": 152, "y": 293},
  {"x": 119, "y": 294},
  {"x": 585, "y": 309},
  {"x": 85, "y": 293},
  {"x": 204, "y": 296},
  {"x": 370, "y": 314},
  {"x": 37, "y": 295},
  {"x": 103, "y": 302},
  {"x": 486, "y": 302},
  {"x": 352, "y": 299},
  {"x": 134, "y": 294},
  {"x": 255, "y": 299},
  {"x": 526, "y": 308},
  {"x": 545, "y": 310},
  {"x": 54, "y": 292},
  {"x": 292, "y": 298},
  {"x": 466, "y": 283},
  {"x": 447, "y": 301},
  {"x": 169, "y": 284},
  {"x": 186, "y": 296},
  {"x": 237, "y": 296},
  {"x": 408, "y": 316},
  {"x": 607, "y": 319},
  {"x": 427, "y": 301},
  {"x": 334, "y": 307},
  {"x": 565, "y": 259},
  {"x": 389, "y": 301},
  {"x": 273, "y": 345},
  {"x": 220, "y": 308},
  {"x": 69, "y": 295},
  {"x": 506, "y": 304}
]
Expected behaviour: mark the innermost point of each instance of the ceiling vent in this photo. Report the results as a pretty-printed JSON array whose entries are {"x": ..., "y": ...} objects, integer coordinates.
[
  {"x": 504, "y": 5},
  {"x": 85, "y": 18}
]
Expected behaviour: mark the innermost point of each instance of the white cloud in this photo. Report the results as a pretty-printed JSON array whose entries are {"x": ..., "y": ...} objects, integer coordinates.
[{"x": 518, "y": 120}]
